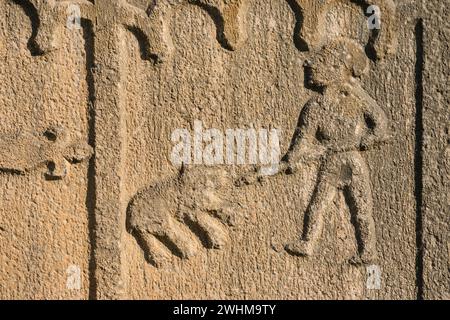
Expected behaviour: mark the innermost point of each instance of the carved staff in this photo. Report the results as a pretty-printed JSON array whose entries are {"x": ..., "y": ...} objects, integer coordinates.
[{"x": 109, "y": 19}]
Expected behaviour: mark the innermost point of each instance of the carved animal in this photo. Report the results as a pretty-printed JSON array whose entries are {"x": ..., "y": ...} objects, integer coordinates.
[
  {"x": 169, "y": 218},
  {"x": 334, "y": 128},
  {"x": 27, "y": 151}
]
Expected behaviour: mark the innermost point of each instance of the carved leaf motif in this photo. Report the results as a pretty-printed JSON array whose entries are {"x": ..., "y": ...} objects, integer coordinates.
[
  {"x": 153, "y": 25},
  {"x": 312, "y": 31}
]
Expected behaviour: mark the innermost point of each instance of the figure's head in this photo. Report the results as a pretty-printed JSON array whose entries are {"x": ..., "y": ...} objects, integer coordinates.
[{"x": 338, "y": 61}]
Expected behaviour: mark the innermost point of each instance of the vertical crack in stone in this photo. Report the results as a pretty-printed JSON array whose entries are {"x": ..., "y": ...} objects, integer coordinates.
[{"x": 419, "y": 132}]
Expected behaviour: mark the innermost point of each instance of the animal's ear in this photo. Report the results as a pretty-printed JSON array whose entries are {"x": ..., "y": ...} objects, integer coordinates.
[
  {"x": 186, "y": 172},
  {"x": 191, "y": 174}
]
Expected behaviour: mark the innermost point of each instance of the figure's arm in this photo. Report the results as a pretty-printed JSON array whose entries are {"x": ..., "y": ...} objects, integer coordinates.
[
  {"x": 376, "y": 119},
  {"x": 304, "y": 146},
  {"x": 345, "y": 145}
]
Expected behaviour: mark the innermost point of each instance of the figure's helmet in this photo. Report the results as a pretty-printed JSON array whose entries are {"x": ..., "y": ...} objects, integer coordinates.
[{"x": 337, "y": 60}]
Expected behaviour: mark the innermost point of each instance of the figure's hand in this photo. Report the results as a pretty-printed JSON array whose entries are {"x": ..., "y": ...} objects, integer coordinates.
[
  {"x": 307, "y": 153},
  {"x": 371, "y": 140},
  {"x": 367, "y": 142}
]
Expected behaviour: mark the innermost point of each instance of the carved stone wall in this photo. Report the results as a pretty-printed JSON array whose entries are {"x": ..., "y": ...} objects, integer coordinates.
[{"x": 94, "y": 206}]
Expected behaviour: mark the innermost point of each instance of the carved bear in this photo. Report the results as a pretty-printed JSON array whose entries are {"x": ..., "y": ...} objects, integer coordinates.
[{"x": 166, "y": 218}]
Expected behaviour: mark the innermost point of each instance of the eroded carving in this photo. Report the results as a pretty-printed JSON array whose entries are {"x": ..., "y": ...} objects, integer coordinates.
[
  {"x": 333, "y": 129},
  {"x": 231, "y": 30},
  {"x": 313, "y": 33},
  {"x": 27, "y": 151},
  {"x": 167, "y": 218},
  {"x": 152, "y": 24},
  {"x": 170, "y": 217},
  {"x": 107, "y": 20},
  {"x": 52, "y": 17}
]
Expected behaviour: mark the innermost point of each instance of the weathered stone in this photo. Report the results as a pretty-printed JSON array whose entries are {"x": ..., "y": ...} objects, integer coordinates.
[
  {"x": 435, "y": 34},
  {"x": 356, "y": 209}
]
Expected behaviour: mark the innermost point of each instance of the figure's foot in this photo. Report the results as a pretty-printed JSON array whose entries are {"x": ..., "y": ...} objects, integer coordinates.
[{"x": 300, "y": 248}]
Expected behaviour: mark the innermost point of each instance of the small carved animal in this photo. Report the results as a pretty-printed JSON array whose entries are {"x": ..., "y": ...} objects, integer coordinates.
[
  {"x": 169, "y": 218},
  {"x": 28, "y": 151}
]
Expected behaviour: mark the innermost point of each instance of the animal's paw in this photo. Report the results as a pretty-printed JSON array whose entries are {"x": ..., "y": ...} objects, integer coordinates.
[
  {"x": 210, "y": 231},
  {"x": 206, "y": 207},
  {"x": 300, "y": 248}
]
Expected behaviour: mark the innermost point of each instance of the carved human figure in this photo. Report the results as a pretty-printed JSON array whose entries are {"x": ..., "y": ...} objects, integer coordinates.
[
  {"x": 334, "y": 128},
  {"x": 170, "y": 217}
]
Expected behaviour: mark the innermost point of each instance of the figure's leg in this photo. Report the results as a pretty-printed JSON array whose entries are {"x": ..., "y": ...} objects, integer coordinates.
[
  {"x": 321, "y": 199},
  {"x": 359, "y": 199}
]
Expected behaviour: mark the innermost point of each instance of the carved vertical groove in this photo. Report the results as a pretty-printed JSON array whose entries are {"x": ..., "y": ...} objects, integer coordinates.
[{"x": 419, "y": 131}]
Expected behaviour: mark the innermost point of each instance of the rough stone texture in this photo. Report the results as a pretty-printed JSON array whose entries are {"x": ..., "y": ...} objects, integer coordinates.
[
  {"x": 88, "y": 183},
  {"x": 436, "y": 151},
  {"x": 44, "y": 222}
]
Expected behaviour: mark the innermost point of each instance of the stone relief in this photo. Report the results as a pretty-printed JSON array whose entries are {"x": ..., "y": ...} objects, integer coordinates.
[
  {"x": 312, "y": 34},
  {"x": 165, "y": 217},
  {"x": 333, "y": 129},
  {"x": 151, "y": 25}
]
